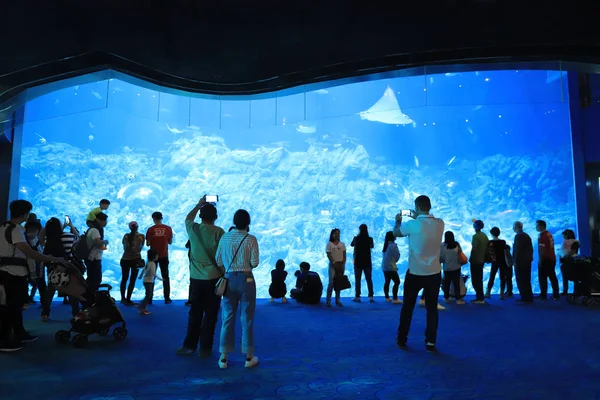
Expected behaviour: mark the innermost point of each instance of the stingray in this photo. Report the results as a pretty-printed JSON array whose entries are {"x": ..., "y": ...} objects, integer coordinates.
[{"x": 387, "y": 111}]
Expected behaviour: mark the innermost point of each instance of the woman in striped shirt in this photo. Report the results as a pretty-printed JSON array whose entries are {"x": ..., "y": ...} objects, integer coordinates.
[
  {"x": 58, "y": 244},
  {"x": 237, "y": 256}
]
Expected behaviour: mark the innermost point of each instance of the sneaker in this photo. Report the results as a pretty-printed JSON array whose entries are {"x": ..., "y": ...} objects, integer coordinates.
[
  {"x": 487, "y": 295},
  {"x": 356, "y": 299},
  {"x": 184, "y": 351},
  {"x": 401, "y": 344},
  {"x": 430, "y": 347},
  {"x": 371, "y": 299},
  {"x": 188, "y": 303},
  {"x": 338, "y": 303},
  {"x": 251, "y": 362},
  {"x": 272, "y": 300},
  {"x": 449, "y": 300},
  {"x": 328, "y": 303},
  {"x": 222, "y": 363},
  {"x": 284, "y": 300},
  {"x": 477, "y": 301},
  {"x": 460, "y": 302},
  {"x": 501, "y": 297},
  {"x": 145, "y": 312},
  {"x": 422, "y": 302},
  {"x": 509, "y": 294},
  {"x": 10, "y": 346},
  {"x": 387, "y": 299},
  {"x": 397, "y": 301},
  {"x": 27, "y": 338},
  {"x": 440, "y": 307},
  {"x": 44, "y": 318},
  {"x": 168, "y": 301},
  {"x": 25, "y": 306}
]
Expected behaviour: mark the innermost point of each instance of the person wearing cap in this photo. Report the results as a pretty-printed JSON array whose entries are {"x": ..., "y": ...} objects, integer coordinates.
[
  {"x": 131, "y": 261},
  {"x": 479, "y": 249},
  {"x": 158, "y": 238},
  {"x": 204, "y": 275}
]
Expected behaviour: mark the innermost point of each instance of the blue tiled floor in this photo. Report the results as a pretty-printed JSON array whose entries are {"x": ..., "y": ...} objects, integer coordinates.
[{"x": 494, "y": 352}]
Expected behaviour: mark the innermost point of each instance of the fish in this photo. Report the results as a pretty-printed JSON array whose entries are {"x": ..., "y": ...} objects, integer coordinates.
[
  {"x": 479, "y": 107},
  {"x": 56, "y": 102},
  {"x": 431, "y": 80},
  {"x": 97, "y": 95},
  {"x": 321, "y": 91},
  {"x": 175, "y": 130},
  {"x": 387, "y": 111},
  {"x": 91, "y": 125},
  {"x": 451, "y": 160},
  {"x": 91, "y": 137},
  {"x": 470, "y": 130},
  {"x": 306, "y": 129},
  {"x": 552, "y": 76},
  {"x": 449, "y": 74},
  {"x": 416, "y": 161},
  {"x": 42, "y": 139}
]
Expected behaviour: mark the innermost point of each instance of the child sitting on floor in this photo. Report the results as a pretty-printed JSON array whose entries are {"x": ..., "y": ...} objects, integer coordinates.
[
  {"x": 278, "y": 290},
  {"x": 149, "y": 274}
]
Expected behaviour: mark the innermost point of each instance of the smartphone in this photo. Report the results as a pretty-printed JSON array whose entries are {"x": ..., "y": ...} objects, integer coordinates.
[
  {"x": 67, "y": 220},
  {"x": 406, "y": 213},
  {"x": 211, "y": 198}
]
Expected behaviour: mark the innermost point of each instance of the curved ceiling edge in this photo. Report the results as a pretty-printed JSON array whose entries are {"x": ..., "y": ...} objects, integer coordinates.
[{"x": 456, "y": 60}]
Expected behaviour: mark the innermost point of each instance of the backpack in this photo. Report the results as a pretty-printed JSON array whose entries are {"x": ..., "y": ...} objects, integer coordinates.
[
  {"x": 490, "y": 254},
  {"x": 81, "y": 249},
  {"x": 8, "y": 231}
]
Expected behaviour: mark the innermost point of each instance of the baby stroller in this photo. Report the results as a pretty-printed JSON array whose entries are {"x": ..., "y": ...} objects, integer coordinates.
[
  {"x": 97, "y": 318},
  {"x": 584, "y": 272}
]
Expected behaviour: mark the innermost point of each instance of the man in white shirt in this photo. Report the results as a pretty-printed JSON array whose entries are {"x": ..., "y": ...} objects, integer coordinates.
[
  {"x": 14, "y": 273},
  {"x": 424, "y": 269}
]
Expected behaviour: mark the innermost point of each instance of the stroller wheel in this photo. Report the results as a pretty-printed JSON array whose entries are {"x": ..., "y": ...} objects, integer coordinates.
[
  {"x": 587, "y": 301},
  {"x": 80, "y": 340},
  {"x": 120, "y": 333},
  {"x": 104, "y": 332},
  {"x": 62, "y": 336}
]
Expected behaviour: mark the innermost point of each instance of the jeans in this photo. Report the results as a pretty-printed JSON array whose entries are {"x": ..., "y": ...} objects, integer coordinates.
[
  {"x": 11, "y": 314},
  {"x": 523, "y": 275},
  {"x": 128, "y": 266},
  {"x": 477, "y": 279},
  {"x": 163, "y": 264},
  {"x": 94, "y": 274},
  {"x": 241, "y": 290},
  {"x": 431, "y": 288},
  {"x": 505, "y": 277},
  {"x": 358, "y": 271},
  {"x": 333, "y": 271},
  {"x": 149, "y": 286},
  {"x": 391, "y": 276},
  {"x": 452, "y": 277},
  {"x": 547, "y": 270},
  {"x": 203, "y": 314}
]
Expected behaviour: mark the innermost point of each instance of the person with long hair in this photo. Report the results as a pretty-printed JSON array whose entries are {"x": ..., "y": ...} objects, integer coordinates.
[
  {"x": 131, "y": 261},
  {"x": 452, "y": 268},
  {"x": 58, "y": 244},
  {"x": 336, "y": 253},
  {"x": 391, "y": 256},
  {"x": 363, "y": 244}
]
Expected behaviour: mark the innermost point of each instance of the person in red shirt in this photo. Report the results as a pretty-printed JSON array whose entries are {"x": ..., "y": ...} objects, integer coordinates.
[
  {"x": 158, "y": 238},
  {"x": 546, "y": 262}
]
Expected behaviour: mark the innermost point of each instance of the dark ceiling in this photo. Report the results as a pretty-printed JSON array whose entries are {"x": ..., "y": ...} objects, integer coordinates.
[{"x": 234, "y": 47}]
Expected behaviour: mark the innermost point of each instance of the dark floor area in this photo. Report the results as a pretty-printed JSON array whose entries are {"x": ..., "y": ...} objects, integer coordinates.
[{"x": 497, "y": 351}]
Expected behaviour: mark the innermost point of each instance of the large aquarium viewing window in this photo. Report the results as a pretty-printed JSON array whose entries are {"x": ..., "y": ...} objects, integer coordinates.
[{"x": 489, "y": 145}]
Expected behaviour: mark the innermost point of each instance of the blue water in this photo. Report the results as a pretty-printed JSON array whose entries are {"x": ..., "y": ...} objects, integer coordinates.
[{"x": 489, "y": 145}]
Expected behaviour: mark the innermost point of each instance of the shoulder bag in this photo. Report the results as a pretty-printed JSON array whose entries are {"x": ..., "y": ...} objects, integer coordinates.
[
  {"x": 221, "y": 285},
  {"x": 462, "y": 257}
]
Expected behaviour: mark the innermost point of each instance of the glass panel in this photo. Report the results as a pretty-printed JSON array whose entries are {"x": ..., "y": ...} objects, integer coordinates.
[
  {"x": 174, "y": 110},
  {"x": 235, "y": 114},
  {"x": 134, "y": 99},
  {"x": 206, "y": 113},
  {"x": 290, "y": 109},
  {"x": 70, "y": 100},
  {"x": 263, "y": 112}
]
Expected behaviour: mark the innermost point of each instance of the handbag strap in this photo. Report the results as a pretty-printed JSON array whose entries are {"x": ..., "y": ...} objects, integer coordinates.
[
  {"x": 236, "y": 253},
  {"x": 204, "y": 247}
]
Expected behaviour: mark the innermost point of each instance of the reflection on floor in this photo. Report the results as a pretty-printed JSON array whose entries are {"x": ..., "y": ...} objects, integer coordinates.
[{"x": 497, "y": 351}]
